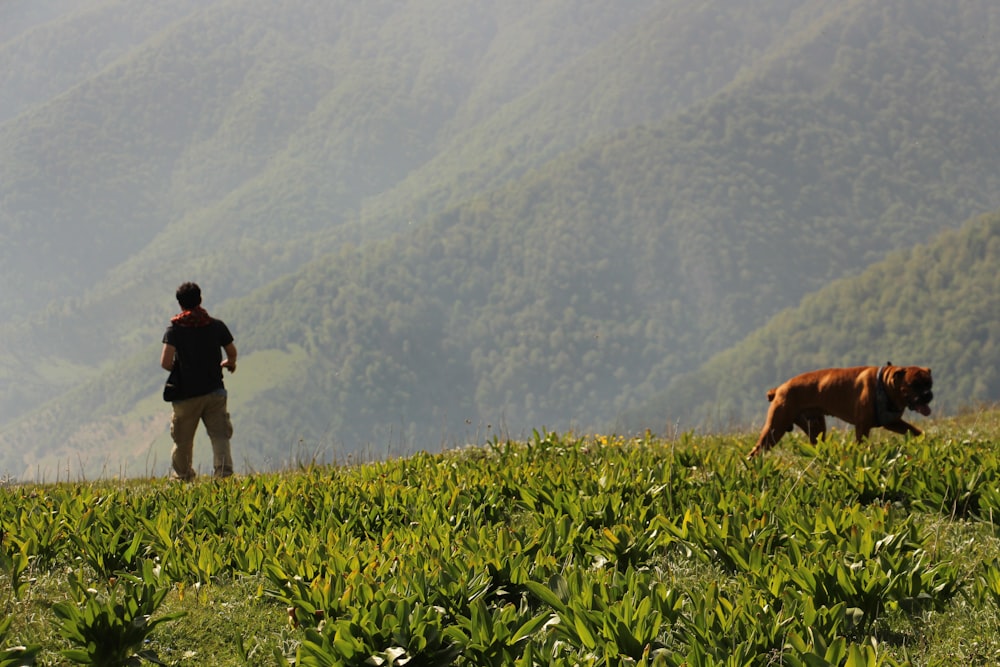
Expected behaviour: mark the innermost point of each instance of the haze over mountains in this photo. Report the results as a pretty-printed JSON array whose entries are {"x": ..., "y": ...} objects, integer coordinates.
[{"x": 431, "y": 223}]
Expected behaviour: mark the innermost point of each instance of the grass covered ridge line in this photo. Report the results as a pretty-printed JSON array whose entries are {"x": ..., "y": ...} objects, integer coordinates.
[{"x": 562, "y": 550}]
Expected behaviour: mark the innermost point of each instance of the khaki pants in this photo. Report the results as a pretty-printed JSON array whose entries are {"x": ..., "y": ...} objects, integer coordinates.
[{"x": 211, "y": 409}]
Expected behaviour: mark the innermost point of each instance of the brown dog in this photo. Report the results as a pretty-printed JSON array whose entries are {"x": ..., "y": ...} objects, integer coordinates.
[{"x": 866, "y": 396}]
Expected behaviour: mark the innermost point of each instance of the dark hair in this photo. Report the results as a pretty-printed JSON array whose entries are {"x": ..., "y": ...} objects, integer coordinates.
[{"x": 189, "y": 296}]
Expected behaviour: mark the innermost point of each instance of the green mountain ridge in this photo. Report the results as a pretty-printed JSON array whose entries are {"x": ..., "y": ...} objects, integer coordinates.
[
  {"x": 282, "y": 209},
  {"x": 466, "y": 294},
  {"x": 931, "y": 305}
]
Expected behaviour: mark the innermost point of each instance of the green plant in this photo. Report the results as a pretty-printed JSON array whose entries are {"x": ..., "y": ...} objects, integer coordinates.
[
  {"x": 386, "y": 632},
  {"x": 106, "y": 541},
  {"x": 495, "y": 635},
  {"x": 987, "y": 584},
  {"x": 15, "y": 656},
  {"x": 614, "y": 614},
  {"x": 16, "y": 564},
  {"x": 108, "y": 629}
]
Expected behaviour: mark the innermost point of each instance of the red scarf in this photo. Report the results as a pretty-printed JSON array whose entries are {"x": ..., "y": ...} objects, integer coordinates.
[{"x": 196, "y": 317}]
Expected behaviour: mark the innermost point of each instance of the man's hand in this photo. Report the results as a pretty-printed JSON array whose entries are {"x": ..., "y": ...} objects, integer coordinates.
[{"x": 230, "y": 361}]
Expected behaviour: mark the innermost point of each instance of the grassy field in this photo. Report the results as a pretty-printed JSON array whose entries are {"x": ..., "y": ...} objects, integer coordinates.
[{"x": 562, "y": 550}]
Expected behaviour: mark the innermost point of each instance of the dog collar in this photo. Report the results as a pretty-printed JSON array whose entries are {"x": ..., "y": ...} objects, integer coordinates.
[{"x": 885, "y": 411}]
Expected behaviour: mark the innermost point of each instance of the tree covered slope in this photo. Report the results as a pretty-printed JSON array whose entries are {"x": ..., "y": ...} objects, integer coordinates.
[
  {"x": 422, "y": 246},
  {"x": 931, "y": 305}
]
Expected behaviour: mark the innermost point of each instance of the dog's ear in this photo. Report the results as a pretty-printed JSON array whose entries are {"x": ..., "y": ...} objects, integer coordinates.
[{"x": 899, "y": 374}]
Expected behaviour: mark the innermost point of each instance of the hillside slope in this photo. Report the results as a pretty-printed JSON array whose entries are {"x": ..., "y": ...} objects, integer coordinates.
[
  {"x": 570, "y": 294},
  {"x": 932, "y": 305},
  {"x": 244, "y": 139}
]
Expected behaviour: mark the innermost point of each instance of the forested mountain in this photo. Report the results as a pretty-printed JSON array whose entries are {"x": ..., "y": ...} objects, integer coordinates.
[
  {"x": 932, "y": 305},
  {"x": 426, "y": 221},
  {"x": 244, "y": 138}
]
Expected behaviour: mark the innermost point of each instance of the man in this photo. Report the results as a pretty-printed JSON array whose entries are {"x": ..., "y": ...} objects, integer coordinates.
[{"x": 192, "y": 352}]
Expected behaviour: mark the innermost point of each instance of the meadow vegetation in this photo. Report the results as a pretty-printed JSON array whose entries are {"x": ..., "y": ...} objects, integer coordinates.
[{"x": 560, "y": 550}]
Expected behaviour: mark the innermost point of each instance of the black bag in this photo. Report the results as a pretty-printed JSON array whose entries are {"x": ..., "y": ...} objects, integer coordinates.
[{"x": 172, "y": 389}]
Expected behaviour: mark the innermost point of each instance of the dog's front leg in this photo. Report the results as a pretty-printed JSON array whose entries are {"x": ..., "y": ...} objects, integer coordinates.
[
  {"x": 903, "y": 428},
  {"x": 861, "y": 431},
  {"x": 777, "y": 425}
]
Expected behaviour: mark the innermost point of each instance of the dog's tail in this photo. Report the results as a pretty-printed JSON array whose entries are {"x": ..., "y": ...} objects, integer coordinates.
[{"x": 771, "y": 393}]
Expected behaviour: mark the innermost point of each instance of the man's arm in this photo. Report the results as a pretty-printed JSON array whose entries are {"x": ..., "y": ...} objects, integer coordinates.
[
  {"x": 167, "y": 357},
  {"x": 230, "y": 360}
]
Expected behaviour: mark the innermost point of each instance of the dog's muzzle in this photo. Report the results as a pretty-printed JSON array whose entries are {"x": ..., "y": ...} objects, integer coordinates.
[{"x": 921, "y": 402}]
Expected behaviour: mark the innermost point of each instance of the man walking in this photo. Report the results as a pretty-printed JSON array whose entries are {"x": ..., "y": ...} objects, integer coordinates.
[{"x": 192, "y": 352}]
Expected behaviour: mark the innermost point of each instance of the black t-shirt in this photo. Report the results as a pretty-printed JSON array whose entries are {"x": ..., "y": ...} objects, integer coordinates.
[{"x": 198, "y": 357}]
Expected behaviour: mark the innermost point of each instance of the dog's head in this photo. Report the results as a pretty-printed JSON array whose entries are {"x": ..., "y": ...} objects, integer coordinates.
[{"x": 914, "y": 385}]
